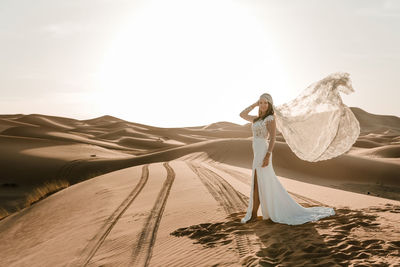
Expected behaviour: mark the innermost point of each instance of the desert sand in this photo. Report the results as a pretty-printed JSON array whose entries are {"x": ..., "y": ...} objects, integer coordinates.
[{"x": 108, "y": 192}]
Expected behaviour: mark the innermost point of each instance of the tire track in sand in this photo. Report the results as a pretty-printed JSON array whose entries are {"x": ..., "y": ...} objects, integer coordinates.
[
  {"x": 143, "y": 247},
  {"x": 65, "y": 172},
  {"x": 245, "y": 179},
  {"x": 227, "y": 197},
  {"x": 91, "y": 248}
]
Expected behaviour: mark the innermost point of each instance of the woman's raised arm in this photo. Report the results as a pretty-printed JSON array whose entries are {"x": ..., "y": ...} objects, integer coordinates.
[{"x": 245, "y": 113}]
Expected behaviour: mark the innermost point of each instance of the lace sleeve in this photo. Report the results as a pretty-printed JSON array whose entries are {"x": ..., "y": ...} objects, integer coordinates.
[{"x": 317, "y": 125}]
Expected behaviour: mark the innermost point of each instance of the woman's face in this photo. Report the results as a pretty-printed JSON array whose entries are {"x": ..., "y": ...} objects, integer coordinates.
[{"x": 263, "y": 104}]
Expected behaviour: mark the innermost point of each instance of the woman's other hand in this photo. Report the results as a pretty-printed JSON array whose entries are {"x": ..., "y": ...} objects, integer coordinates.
[{"x": 266, "y": 160}]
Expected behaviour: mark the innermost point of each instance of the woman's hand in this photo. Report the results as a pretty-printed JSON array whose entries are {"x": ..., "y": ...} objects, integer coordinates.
[
  {"x": 245, "y": 113},
  {"x": 266, "y": 160}
]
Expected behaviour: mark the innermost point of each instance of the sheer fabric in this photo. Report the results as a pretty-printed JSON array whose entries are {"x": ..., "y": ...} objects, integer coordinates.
[{"x": 317, "y": 125}]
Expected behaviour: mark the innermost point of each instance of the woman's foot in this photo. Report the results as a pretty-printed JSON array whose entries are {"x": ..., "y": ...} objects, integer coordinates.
[{"x": 253, "y": 217}]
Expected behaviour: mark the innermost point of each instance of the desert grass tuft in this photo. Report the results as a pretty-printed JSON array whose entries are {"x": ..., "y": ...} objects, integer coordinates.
[
  {"x": 3, "y": 213},
  {"x": 45, "y": 190}
]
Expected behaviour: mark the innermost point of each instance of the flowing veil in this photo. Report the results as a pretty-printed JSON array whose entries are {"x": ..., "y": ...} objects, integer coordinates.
[{"x": 317, "y": 125}]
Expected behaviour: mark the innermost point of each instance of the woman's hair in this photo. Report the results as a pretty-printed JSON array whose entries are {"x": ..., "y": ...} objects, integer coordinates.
[{"x": 270, "y": 111}]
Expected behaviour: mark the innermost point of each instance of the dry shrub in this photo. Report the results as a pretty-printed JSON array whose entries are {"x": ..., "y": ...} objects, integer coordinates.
[{"x": 45, "y": 190}]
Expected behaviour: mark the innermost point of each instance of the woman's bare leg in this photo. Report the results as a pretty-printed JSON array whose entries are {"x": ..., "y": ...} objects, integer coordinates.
[{"x": 256, "y": 199}]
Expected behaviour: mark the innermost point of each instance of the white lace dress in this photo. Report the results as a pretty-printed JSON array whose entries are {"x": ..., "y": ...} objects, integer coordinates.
[{"x": 275, "y": 202}]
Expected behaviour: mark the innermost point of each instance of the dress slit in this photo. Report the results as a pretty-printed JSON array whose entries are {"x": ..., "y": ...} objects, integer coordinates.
[{"x": 258, "y": 190}]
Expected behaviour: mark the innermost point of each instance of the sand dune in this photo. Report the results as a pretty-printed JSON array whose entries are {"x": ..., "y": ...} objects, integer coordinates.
[
  {"x": 49, "y": 134},
  {"x": 376, "y": 123},
  {"x": 7, "y": 123},
  {"x": 144, "y": 195},
  {"x": 143, "y": 143},
  {"x": 366, "y": 143},
  {"x": 48, "y": 121},
  {"x": 126, "y": 132},
  {"x": 223, "y": 125},
  {"x": 389, "y": 151}
]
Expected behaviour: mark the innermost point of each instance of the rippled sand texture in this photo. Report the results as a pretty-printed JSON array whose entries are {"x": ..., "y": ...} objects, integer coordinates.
[{"x": 108, "y": 192}]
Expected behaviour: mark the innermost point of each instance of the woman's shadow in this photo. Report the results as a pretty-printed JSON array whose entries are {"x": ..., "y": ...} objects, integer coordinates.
[{"x": 328, "y": 241}]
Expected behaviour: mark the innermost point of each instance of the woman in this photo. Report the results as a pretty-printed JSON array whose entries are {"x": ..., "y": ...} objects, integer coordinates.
[{"x": 317, "y": 126}]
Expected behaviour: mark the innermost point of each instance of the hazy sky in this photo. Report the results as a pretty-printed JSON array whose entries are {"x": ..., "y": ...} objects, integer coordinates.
[{"x": 188, "y": 63}]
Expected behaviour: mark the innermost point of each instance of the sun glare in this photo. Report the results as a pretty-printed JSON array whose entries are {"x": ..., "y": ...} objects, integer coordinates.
[{"x": 178, "y": 49}]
